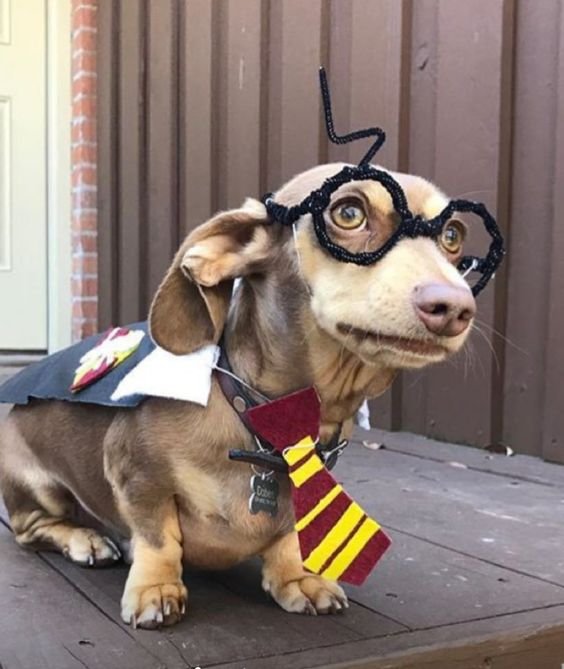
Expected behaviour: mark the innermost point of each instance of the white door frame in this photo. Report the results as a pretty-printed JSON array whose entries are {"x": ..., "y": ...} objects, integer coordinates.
[{"x": 59, "y": 260}]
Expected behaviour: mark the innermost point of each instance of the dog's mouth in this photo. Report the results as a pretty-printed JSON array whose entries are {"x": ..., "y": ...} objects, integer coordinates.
[{"x": 420, "y": 347}]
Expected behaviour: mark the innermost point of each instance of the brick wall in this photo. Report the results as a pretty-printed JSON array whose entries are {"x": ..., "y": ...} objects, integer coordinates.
[{"x": 84, "y": 179}]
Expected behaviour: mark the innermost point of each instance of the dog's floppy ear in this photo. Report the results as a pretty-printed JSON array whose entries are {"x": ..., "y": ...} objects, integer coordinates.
[{"x": 190, "y": 307}]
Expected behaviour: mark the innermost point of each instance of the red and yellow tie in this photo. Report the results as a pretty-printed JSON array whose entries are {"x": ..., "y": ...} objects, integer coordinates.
[{"x": 337, "y": 539}]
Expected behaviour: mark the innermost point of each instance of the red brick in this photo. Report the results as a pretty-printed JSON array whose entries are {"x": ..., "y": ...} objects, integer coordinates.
[
  {"x": 89, "y": 328},
  {"x": 83, "y": 153},
  {"x": 84, "y": 327},
  {"x": 85, "y": 265},
  {"x": 85, "y": 309},
  {"x": 84, "y": 61},
  {"x": 84, "y": 16},
  {"x": 84, "y": 131},
  {"x": 83, "y": 39},
  {"x": 82, "y": 287},
  {"x": 84, "y": 243},
  {"x": 84, "y": 84},
  {"x": 84, "y": 156},
  {"x": 85, "y": 176},
  {"x": 84, "y": 199},
  {"x": 85, "y": 221},
  {"x": 85, "y": 106}
]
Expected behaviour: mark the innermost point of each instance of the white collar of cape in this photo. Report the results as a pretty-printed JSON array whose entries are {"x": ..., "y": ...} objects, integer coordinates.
[
  {"x": 183, "y": 377},
  {"x": 177, "y": 377}
]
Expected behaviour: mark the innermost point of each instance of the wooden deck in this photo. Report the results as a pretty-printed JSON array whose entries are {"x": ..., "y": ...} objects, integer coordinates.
[{"x": 475, "y": 578}]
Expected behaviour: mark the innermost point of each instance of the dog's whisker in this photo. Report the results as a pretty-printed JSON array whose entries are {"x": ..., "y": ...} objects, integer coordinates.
[
  {"x": 473, "y": 193},
  {"x": 484, "y": 336},
  {"x": 503, "y": 337}
]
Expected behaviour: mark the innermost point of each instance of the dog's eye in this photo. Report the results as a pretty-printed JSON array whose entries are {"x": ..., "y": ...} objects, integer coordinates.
[
  {"x": 348, "y": 215},
  {"x": 452, "y": 236}
]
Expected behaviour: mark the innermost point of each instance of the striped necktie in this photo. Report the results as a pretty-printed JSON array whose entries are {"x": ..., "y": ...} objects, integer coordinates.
[{"x": 337, "y": 539}]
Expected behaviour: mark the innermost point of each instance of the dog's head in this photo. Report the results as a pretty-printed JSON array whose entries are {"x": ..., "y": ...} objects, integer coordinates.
[{"x": 409, "y": 309}]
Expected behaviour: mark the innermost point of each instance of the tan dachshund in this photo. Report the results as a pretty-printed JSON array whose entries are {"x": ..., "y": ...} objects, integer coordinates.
[{"x": 159, "y": 474}]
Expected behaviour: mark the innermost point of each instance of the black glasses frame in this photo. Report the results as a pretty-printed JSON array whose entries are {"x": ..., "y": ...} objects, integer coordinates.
[{"x": 410, "y": 226}]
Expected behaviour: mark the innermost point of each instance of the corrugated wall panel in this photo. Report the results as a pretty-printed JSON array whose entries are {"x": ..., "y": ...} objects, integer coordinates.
[
  {"x": 131, "y": 123},
  {"x": 552, "y": 444},
  {"x": 202, "y": 103},
  {"x": 465, "y": 126},
  {"x": 161, "y": 161},
  {"x": 531, "y": 221},
  {"x": 195, "y": 105}
]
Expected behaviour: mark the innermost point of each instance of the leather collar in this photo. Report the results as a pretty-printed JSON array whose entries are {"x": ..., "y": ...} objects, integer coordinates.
[{"x": 241, "y": 398}]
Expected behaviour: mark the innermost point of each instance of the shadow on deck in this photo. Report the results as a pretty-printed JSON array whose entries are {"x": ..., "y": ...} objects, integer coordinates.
[{"x": 475, "y": 579}]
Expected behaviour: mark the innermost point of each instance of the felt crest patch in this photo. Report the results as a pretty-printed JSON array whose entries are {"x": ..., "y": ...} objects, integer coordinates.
[
  {"x": 116, "y": 345},
  {"x": 337, "y": 539}
]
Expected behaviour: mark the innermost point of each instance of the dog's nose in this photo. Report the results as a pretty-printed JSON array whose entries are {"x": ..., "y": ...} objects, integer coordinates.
[{"x": 443, "y": 309}]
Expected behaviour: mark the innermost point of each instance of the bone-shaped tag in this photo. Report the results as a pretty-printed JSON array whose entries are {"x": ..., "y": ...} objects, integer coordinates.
[{"x": 264, "y": 495}]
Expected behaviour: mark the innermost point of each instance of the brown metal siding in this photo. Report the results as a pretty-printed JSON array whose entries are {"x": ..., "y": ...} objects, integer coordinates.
[{"x": 204, "y": 102}]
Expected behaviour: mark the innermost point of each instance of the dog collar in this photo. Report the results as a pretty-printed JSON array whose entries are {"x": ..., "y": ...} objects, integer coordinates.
[{"x": 243, "y": 399}]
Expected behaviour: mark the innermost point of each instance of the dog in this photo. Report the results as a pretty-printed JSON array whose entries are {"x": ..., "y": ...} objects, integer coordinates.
[{"x": 159, "y": 475}]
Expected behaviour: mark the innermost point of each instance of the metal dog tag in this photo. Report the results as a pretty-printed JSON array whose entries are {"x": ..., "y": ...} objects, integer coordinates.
[{"x": 264, "y": 495}]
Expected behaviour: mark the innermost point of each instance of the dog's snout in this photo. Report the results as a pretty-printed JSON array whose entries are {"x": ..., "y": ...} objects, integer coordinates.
[{"x": 444, "y": 309}]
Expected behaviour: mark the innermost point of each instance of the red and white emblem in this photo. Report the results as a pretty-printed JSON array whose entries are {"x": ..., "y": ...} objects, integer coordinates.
[{"x": 116, "y": 345}]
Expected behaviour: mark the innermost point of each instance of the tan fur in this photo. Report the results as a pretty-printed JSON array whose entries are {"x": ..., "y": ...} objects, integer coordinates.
[
  {"x": 159, "y": 474},
  {"x": 295, "y": 589},
  {"x": 154, "y": 592}
]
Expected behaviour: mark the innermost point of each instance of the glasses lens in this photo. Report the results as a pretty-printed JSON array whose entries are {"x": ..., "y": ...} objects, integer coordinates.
[{"x": 465, "y": 235}]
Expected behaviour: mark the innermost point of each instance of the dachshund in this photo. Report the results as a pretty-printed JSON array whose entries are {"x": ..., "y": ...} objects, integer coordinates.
[{"x": 158, "y": 475}]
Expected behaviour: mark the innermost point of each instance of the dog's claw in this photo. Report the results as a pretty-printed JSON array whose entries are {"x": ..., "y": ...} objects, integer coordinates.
[
  {"x": 153, "y": 606},
  {"x": 310, "y": 609}
]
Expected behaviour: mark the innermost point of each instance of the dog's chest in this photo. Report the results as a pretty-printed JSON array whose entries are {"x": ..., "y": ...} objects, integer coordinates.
[{"x": 219, "y": 528}]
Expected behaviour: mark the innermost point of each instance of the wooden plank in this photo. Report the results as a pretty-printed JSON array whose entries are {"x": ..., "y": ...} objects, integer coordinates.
[
  {"x": 415, "y": 572},
  {"x": 553, "y": 418},
  {"x": 366, "y": 83},
  {"x": 467, "y": 112},
  {"x": 541, "y": 648},
  {"x": 237, "y": 102},
  {"x": 502, "y": 521},
  {"x": 422, "y": 149},
  {"x": 366, "y": 90},
  {"x": 195, "y": 113},
  {"x": 234, "y": 605},
  {"x": 535, "y": 105},
  {"x": 162, "y": 143},
  {"x": 530, "y": 635},
  {"x": 245, "y": 622},
  {"x": 516, "y": 468},
  {"x": 107, "y": 26},
  {"x": 131, "y": 161},
  {"x": 499, "y": 287},
  {"x": 48, "y": 625},
  {"x": 294, "y": 106}
]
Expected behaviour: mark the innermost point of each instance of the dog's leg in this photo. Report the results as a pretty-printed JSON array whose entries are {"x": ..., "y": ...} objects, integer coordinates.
[
  {"x": 154, "y": 593},
  {"x": 40, "y": 520},
  {"x": 41, "y": 509},
  {"x": 292, "y": 587}
]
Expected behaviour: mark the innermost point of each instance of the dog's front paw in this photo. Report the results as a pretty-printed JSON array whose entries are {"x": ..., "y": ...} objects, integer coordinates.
[
  {"x": 310, "y": 594},
  {"x": 154, "y": 606}
]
